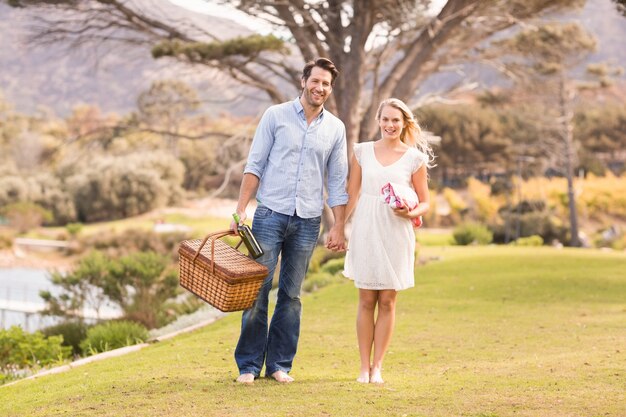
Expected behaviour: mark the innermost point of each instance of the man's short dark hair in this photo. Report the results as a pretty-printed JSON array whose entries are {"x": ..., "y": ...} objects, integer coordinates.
[{"x": 323, "y": 63}]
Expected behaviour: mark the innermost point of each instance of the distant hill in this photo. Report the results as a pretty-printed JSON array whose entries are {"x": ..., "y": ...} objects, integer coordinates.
[
  {"x": 50, "y": 77},
  {"x": 35, "y": 77}
]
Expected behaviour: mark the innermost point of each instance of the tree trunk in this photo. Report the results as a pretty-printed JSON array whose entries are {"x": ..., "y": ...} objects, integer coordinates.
[{"x": 567, "y": 135}]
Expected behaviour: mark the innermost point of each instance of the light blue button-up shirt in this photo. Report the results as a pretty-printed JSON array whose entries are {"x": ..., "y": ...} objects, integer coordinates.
[{"x": 291, "y": 160}]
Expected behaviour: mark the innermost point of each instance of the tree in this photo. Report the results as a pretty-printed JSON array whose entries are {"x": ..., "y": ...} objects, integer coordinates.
[
  {"x": 140, "y": 284},
  {"x": 548, "y": 52},
  {"x": 389, "y": 46},
  {"x": 163, "y": 105}
]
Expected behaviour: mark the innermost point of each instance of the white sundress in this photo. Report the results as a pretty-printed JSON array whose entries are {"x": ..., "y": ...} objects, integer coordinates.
[{"x": 381, "y": 247}]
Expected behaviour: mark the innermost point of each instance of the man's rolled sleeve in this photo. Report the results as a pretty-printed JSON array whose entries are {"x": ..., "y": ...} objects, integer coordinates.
[
  {"x": 261, "y": 146},
  {"x": 338, "y": 173}
]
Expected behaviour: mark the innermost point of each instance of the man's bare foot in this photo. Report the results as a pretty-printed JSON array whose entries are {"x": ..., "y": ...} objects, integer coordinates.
[
  {"x": 246, "y": 379},
  {"x": 364, "y": 377},
  {"x": 282, "y": 377},
  {"x": 376, "y": 377}
]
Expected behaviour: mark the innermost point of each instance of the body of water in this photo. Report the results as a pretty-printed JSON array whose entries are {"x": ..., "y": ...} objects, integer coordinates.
[
  {"x": 21, "y": 287},
  {"x": 19, "y": 295}
]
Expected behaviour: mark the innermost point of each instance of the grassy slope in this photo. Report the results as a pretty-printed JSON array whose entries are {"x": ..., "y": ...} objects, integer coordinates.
[{"x": 492, "y": 331}]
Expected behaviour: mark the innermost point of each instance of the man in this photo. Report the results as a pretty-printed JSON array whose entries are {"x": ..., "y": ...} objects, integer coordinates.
[{"x": 296, "y": 145}]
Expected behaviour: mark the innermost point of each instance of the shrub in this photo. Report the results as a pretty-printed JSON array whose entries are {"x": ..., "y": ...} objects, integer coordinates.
[
  {"x": 333, "y": 266},
  {"x": 73, "y": 332},
  {"x": 6, "y": 239},
  {"x": 133, "y": 240},
  {"x": 12, "y": 190},
  {"x": 470, "y": 233},
  {"x": 534, "y": 240},
  {"x": 20, "y": 350},
  {"x": 529, "y": 219},
  {"x": 50, "y": 193},
  {"x": 74, "y": 228},
  {"x": 320, "y": 256},
  {"x": 116, "y": 191},
  {"x": 113, "y": 335},
  {"x": 24, "y": 216},
  {"x": 317, "y": 280},
  {"x": 112, "y": 188}
]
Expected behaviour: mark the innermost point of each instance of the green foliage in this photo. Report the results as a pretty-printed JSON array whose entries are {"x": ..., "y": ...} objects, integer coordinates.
[
  {"x": 130, "y": 240},
  {"x": 43, "y": 190},
  {"x": 79, "y": 287},
  {"x": 72, "y": 332},
  {"x": 472, "y": 138},
  {"x": 333, "y": 266},
  {"x": 602, "y": 132},
  {"x": 534, "y": 240},
  {"x": 24, "y": 216},
  {"x": 20, "y": 350},
  {"x": 50, "y": 193},
  {"x": 113, "y": 188},
  {"x": 6, "y": 239},
  {"x": 550, "y": 45},
  {"x": 140, "y": 284},
  {"x": 530, "y": 218},
  {"x": 12, "y": 190},
  {"x": 317, "y": 280},
  {"x": 113, "y": 335},
  {"x": 320, "y": 256},
  {"x": 472, "y": 233},
  {"x": 249, "y": 46},
  {"x": 74, "y": 228}
]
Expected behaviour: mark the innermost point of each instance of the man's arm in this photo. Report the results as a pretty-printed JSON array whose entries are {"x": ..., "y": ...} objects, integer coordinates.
[
  {"x": 337, "y": 196},
  {"x": 249, "y": 186},
  {"x": 336, "y": 240}
]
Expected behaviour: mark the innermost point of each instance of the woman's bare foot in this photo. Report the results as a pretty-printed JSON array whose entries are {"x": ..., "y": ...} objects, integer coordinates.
[
  {"x": 246, "y": 379},
  {"x": 282, "y": 377},
  {"x": 376, "y": 377},
  {"x": 364, "y": 377}
]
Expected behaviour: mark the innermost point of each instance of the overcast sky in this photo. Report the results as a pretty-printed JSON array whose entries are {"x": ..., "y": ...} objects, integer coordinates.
[{"x": 208, "y": 7}]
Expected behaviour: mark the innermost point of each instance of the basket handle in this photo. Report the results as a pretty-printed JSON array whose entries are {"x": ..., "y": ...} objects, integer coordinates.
[{"x": 214, "y": 236}]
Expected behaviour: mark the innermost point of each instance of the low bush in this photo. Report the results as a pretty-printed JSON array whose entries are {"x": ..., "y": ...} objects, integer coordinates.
[
  {"x": 73, "y": 333},
  {"x": 529, "y": 223},
  {"x": 133, "y": 240},
  {"x": 320, "y": 256},
  {"x": 533, "y": 240},
  {"x": 333, "y": 266},
  {"x": 113, "y": 335},
  {"x": 24, "y": 216},
  {"x": 317, "y": 280},
  {"x": 472, "y": 233},
  {"x": 6, "y": 239},
  {"x": 21, "y": 351}
]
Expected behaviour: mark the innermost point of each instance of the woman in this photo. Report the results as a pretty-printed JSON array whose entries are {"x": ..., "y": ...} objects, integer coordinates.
[{"x": 381, "y": 251}]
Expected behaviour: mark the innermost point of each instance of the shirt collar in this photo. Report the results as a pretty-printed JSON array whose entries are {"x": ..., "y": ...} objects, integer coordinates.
[{"x": 300, "y": 109}]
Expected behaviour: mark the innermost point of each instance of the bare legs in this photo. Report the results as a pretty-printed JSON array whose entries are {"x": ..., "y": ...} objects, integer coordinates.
[{"x": 372, "y": 333}]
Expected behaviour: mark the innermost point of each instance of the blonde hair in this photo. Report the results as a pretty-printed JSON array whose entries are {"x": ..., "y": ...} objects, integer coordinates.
[{"x": 412, "y": 132}]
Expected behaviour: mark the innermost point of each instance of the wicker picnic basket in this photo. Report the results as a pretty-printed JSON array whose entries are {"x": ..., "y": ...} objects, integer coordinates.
[{"x": 220, "y": 274}]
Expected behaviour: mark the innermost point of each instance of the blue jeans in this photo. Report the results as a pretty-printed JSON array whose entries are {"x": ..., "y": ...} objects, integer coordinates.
[{"x": 294, "y": 239}]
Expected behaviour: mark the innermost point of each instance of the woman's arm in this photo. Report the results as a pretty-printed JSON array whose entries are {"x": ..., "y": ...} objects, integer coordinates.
[
  {"x": 354, "y": 186},
  {"x": 420, "y": 184}
]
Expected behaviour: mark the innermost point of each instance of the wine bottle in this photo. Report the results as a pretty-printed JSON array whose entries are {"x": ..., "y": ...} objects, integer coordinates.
[{"x": 254, "y": 249}]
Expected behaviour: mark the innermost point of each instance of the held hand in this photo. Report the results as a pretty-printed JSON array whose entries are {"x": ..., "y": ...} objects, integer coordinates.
[
  {"x": 402, "y": 212},
  {"x": 242, "y": 218},
  {"x": 336, "y": 240}
]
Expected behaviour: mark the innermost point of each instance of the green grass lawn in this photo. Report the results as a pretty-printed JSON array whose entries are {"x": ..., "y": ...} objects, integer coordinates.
[{"x": 487, "y": 331}]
